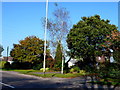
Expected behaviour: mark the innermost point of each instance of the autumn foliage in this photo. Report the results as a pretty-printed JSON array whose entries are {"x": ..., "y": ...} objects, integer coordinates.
[{"x": 29, "y": 50}]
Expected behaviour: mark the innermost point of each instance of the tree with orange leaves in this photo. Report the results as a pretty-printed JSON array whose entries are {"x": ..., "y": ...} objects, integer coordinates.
[
  {"x": 29, "y": 50},
  {"x": 115, "y": 45}
]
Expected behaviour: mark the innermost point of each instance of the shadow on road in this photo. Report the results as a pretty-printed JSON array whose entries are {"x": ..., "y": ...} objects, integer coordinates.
[
  {"x": 90, "y": 84},
  {"x": 22, "y": 81}
]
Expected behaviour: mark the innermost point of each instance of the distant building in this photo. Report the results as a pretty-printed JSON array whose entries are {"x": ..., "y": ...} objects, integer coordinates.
[
  {"x": 104, "y": 58},
  {"x": 100, "y": 59},
  {"x": 72, "y": 62},
  {"x": 9, "y": 59},
  {"x": 1, "y": 58}
]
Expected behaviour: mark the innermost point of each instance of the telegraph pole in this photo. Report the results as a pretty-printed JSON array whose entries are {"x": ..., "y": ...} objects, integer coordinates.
[
  {"x": 7, "y": 52},
  {"x": 62, "y": 63},
  {"x": 45, "y": 36}
]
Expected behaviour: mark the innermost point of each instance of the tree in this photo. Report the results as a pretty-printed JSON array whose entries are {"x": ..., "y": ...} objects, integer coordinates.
[
  {"x": 88, "y": 37},
  {"x": 58, "y": 27},
  {"x": 115, "y": 40},
  {"x": 58, "y": 56},
  {"x": 50, "y": 62},
  {"x": 116, "y": 56},
  {"x": 29, "y": 50},
  {"x": 115, "y": 45},
  {"x": 1, "y": 49}
]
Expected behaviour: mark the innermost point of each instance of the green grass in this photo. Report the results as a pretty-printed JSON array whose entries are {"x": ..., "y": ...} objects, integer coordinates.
[
  {"x": 32, "y": 72},
  {"x": 42, "y": 75},
  {"x": 68, "y": 75},
  {"x": 2, "y": 64},
  {"x": 22, "y": 71}
]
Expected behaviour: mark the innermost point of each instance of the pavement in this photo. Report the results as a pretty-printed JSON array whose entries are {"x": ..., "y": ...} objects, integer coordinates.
[{"x": 15, "y": 80}]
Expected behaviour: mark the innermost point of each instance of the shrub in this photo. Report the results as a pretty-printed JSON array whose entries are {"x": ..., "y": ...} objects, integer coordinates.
[
  {"x": 89, "y": 68},
  {"x": 75, "y": 69},
  {"x": 71, "y": 70},
  {"x": 16, "y": 65},
  {"x": 56, "y": 69},
  {"x": 37, "y": 66},
  {"x": 111, "y": 70},
  {"x": 7, "y": 65},
  {"x": 115, "y": 74},
  {"x": 82, "y": 72},
  {"x": 26, "y": 65},
  {"x": 45, "y": 69}
]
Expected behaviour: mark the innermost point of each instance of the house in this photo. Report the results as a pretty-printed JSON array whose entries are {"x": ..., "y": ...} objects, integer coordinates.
[
  {"x": 72, "y": 62},
  {"x": 1, "y": 58},
  {"x": 103, "y": 58},
  {"x": 100, "y": 59},
  {"x": 9, "y": 59}
]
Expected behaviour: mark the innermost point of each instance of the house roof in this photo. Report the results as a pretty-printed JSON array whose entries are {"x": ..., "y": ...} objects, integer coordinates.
[
  {"x": 9, "y": 58},
  {"x": 73, "y": 61}
]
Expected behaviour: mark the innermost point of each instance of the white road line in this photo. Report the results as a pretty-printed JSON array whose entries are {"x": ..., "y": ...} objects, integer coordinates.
[{"x": 7, "y": 85}]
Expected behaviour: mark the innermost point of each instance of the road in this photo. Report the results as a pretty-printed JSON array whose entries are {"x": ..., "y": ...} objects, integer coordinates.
[{"x": 15, "y": 80}]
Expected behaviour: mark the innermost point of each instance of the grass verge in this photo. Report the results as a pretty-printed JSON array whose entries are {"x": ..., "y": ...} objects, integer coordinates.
[
  {"x": 22, "y": 71},
  {"x": 68, "y": 75},
  {"x": 2, "y": 63},
  {"x": 48, "y": 75}
]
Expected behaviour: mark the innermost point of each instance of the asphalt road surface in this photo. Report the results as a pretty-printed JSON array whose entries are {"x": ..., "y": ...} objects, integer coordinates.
[{"x": 15, "y": 80}]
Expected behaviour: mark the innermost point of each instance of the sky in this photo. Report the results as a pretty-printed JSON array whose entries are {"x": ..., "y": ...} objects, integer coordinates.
[{"x": 22, "y": 19}]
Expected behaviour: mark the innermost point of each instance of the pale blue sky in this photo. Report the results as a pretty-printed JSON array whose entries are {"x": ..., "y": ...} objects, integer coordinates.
[{"x": 22, "y": 19}]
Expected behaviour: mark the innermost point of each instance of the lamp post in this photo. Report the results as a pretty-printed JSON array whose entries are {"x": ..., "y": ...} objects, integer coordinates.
[
  {"x": 62, "y": 56},
  {"x": 45, "y": 36},
  {"x": 7, "y": 52},
  {"x": 62, "y": 63}
]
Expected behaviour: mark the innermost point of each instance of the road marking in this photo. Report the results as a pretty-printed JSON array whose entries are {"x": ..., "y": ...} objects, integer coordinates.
[{"x": 7, "y": 85}]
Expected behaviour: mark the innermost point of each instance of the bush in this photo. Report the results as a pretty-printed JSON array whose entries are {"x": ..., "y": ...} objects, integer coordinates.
[
  {"x": 37, "y": 66},
  {"x": 71, "y": 70},
  {"x": 16, "y": 65},
  {"x": 82, "y": 72},
  {"x": 75, "y": 69},
  {"x": 110, "y": 70},
  {"x": 56, "y": 68},
  {"x": 26, "y": 65},
  {"x": 115, "y": 74},
  {"x": 89, "y": 68},
  {"x": 45, "y": 69},
  {"x": 7, "y": 65}
]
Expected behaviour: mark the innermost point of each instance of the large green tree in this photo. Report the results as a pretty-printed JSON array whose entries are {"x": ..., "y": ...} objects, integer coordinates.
[
  {"x": 87, "y": 38},
  {"x": 29, "y": 50}
]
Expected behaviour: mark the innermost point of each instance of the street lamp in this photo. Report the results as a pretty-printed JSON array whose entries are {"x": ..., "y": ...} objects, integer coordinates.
[{"x": 45, "y": 36}]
